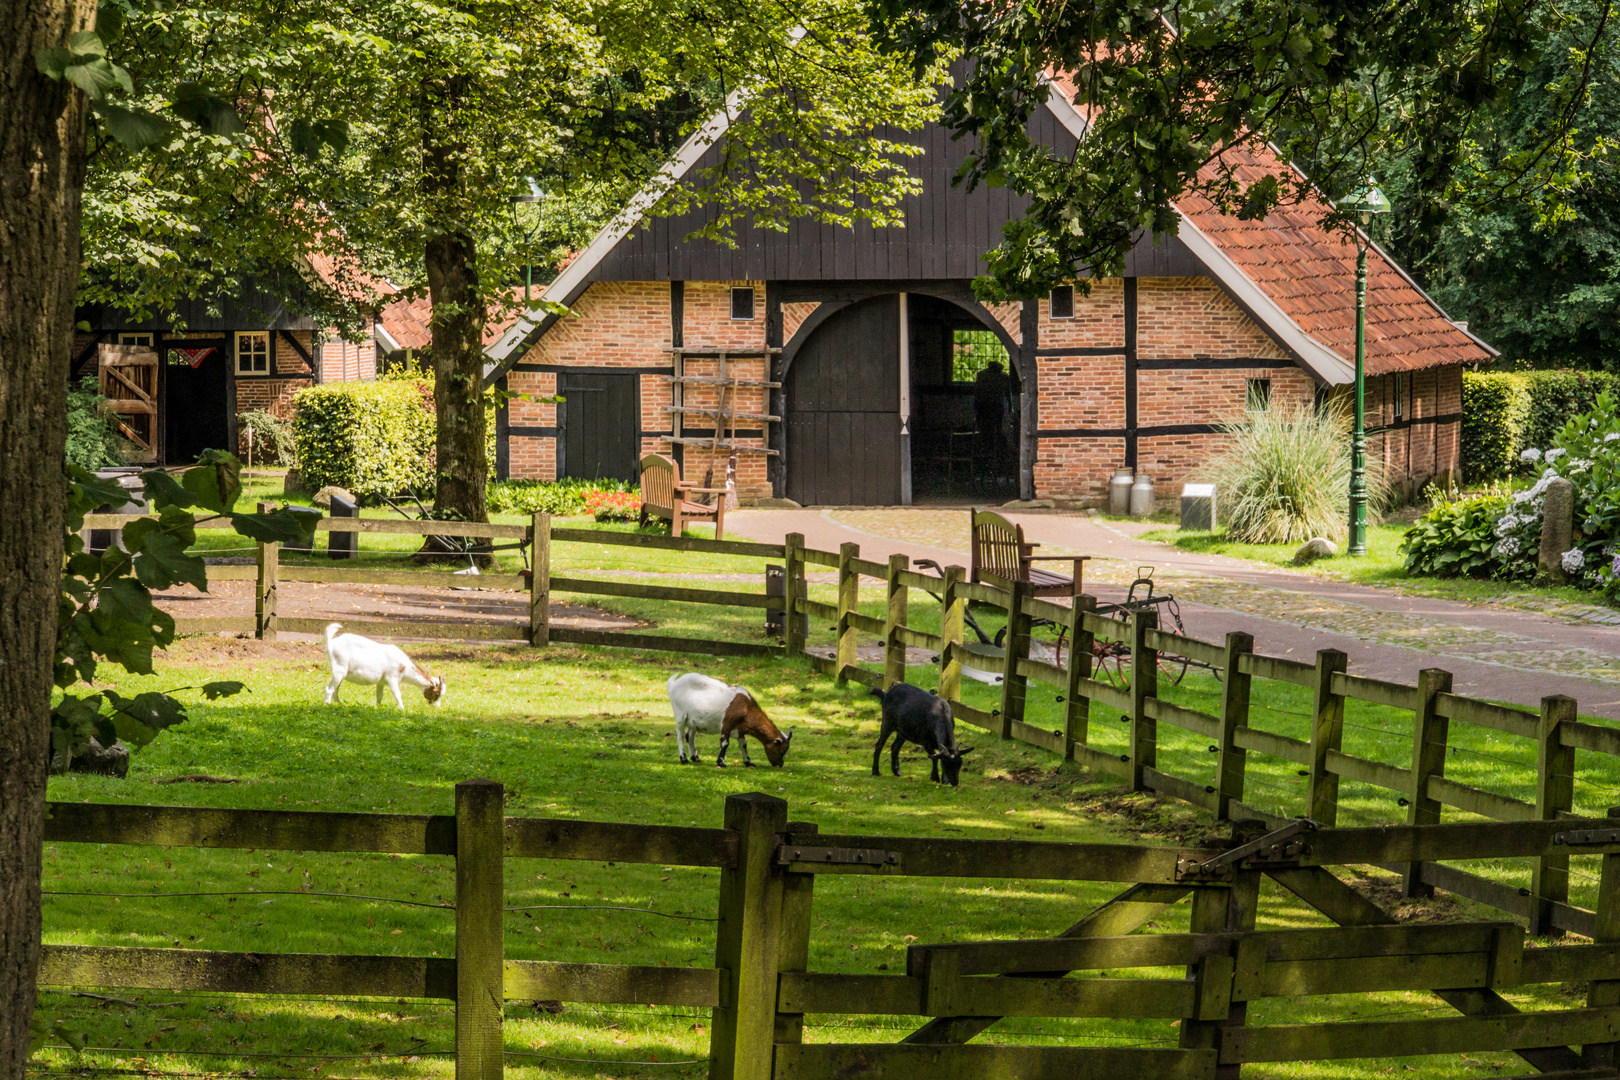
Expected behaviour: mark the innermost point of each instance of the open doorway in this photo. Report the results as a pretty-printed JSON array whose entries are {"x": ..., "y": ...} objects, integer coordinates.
[{"x": 964, "y": 407}]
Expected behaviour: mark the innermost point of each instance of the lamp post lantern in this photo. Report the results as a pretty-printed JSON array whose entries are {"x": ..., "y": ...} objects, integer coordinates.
[
  {"x": 535, "y": 195},
  {"x": 1364, "y": 202}
]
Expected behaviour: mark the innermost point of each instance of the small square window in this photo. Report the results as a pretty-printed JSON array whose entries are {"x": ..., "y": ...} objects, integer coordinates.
[
  {"x": 742, "y": 303},
  {"x": 1062, "y": 302},
  {"x": 252, "y": 352},
  {"x": 1259, "y": 395},
  {"x": 1401, "y": 388},
  {"x": 144, "y": 340}
]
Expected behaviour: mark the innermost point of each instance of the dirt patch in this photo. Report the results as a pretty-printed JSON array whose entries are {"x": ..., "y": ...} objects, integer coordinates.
[
  {"x": 1384, "y": 889},
  {"x": 1027, "y": 775},
  {"x": 396, "y": 603}
]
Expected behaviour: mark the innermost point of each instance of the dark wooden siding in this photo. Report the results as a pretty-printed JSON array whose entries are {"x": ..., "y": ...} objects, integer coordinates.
[{"x": 948, "y": 229}]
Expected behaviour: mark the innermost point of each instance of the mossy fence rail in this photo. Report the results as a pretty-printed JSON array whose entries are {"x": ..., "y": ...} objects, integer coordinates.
[
  {"x": 1421, "y": 786},
  {"x": 761, "y": 989}
]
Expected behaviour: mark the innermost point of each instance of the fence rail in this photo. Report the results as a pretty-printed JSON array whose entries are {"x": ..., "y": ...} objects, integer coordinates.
[
  {"x": 761, "y": 989},
  {"x": 1235, "y": 727}
]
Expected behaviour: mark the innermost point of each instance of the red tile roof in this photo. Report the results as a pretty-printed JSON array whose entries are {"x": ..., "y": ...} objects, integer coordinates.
[
  {"x": 407, "y": 321},
  {"x": 1310, "y": 274}
]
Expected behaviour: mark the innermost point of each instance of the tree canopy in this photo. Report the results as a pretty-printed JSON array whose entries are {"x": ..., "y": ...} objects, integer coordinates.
[{"x": 1341, "y": 88}]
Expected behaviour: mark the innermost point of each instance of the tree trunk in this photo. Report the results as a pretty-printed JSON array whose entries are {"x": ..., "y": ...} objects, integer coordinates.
[
  {"x": 41, "y": 177},
  {"x": 458, "y": 312}
]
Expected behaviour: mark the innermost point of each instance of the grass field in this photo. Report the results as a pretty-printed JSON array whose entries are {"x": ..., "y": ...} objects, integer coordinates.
[{"x": 585, "y": 734}]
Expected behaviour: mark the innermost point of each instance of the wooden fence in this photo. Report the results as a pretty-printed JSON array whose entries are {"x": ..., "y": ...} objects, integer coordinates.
[
  {"x": 1422, "y": 789},
  {"x": 761, "y": 990}
]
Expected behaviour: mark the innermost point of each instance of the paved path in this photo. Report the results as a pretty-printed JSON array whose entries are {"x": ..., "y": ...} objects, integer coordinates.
[{"x": 1493, "y": 652}]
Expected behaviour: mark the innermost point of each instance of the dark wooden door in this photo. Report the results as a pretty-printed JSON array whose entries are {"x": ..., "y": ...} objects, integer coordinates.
[
  {"x": 601, "y": 426},
  {"x": 843, "y": 409},
  {"x": 196, "y": 403}
]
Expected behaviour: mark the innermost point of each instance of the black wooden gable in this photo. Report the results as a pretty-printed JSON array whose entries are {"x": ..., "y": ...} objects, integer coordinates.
[{"x": 948, "y": 230}]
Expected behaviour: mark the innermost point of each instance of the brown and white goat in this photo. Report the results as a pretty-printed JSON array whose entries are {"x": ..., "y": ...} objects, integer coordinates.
[{"x": 706, "y": 705}]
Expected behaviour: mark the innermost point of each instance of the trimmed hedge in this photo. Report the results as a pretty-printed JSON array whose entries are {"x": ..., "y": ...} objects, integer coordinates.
[
  {"x": 1505, "y": 412},
  {"x": 1495, "y": 412},
  {"x": 374, "y": 438}
]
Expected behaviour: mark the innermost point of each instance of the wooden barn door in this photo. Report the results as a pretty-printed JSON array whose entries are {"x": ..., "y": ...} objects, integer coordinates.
[
  {"x": 843, "y": 410},
  {"x": 128, "y": 377},
  {"x": 601, "y": 426}
]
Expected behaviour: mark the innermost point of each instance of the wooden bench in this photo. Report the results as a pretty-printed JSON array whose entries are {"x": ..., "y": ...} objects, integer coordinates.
[
  {"x": 663, "y": 495},
  {"x": 1001, "y": 556}
]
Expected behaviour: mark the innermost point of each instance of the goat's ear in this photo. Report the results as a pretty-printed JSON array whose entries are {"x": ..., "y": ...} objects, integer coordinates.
[
  {"x": 789, "y": 736},
  {"x": 965, "y": 751}
]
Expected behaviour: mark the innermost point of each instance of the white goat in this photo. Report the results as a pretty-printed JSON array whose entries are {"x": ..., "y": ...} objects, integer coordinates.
[
  {"x": 371, "y": 663},
  {"x": 710, "y": 706}
]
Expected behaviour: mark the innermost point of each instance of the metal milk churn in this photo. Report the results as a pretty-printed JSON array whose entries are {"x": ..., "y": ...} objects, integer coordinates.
[
  {"x": 1119, "y": 493},
  {"x": 1142, "y": 496}
]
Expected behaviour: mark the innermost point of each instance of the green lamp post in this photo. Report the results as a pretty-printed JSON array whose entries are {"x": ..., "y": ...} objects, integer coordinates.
[
  {"x": 1364, "y": 202},
  {"x": 536, "y": 195}
]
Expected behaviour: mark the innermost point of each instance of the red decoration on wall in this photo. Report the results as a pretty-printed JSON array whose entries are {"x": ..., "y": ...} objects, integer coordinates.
[{"x": 196, "y": 356}]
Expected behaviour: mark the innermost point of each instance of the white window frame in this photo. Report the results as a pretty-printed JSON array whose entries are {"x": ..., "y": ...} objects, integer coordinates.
[
  {"x": 253, "y": 356},
  {"x": 1400, "y": 394}
]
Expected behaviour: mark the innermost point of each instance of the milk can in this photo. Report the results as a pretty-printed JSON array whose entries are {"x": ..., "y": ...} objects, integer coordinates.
[
  {"x": 1119, "y": 493},
  {"x": 1142, "y": 496}
]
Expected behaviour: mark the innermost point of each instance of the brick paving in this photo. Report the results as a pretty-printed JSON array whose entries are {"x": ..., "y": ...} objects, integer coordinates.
[{"x": 1502, "y": 653}]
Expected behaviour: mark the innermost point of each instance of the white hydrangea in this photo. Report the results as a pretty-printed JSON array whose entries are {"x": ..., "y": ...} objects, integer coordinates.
[
  {"x": 1508, "y": 547},
  {"x": 1522, "y": 497},
  {"x": 1614, "y": 567},
  {"x": 1574, "y": 561},
  {"x": 1611, "y": 436},
  {"x": 1554, "y": 454},
  {"x": 1578, "y": 465},
  {"x": 1530, "y": 455},
  {"x": 1505, "y": 525}
]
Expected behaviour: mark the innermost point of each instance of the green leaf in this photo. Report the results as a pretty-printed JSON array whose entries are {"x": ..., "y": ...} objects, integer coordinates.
[
  {"x": 214, "y": 114},
  {"x": 164, "y": 561},
  {"x": 163, "y": 490},
  {"x": 134, "y": 129},
  {"x": 125, "y": 600},
  {"x": 227, "y": 688},
  {"x": 86, "y": 45},
  {"x": 53, "y": 62},
  {"x": 215, "y": 481},
  {"x": 109, "y": 20},
  {"x": 94, "y": 77},
  {"x": 285, "y": 526}
]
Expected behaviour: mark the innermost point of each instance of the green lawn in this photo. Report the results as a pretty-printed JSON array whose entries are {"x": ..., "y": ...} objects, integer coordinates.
[
  {"x": 1382, "y": 565},
  {"x": 584, "y": 733}
]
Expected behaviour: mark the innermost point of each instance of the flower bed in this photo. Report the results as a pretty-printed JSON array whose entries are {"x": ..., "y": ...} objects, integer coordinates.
[{"x": 1451, "y": 539}]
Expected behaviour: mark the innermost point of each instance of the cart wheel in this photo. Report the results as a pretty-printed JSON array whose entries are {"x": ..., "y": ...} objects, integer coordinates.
[{"x": 1175, "y": 667}]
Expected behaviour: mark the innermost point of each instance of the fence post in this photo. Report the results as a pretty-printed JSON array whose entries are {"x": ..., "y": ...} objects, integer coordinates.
[
  {"x": 1555, "y": 794},
  {"x": 951, "y": 624},
  {"x": 1230, "y": 766},
  {"x": 540, "y": 580},
  {"x": 1220, "y": 910},
  {"x": 748, "y": 942},
  {"x": 793, "y": 566},
  {"x": 798, "y": 893},
  {"x": 480, "y": 929},
  {"x": 1327, "y": 733},
  {"x": 849, "y": 599},
  {"x": 264, "y": 598},
  {"x": 1144, "y": 685},
  {"x": 1014, "y": 683},
  {"x": 1430, "y": 734},
  {"x": 894, "y": 650},
  {"x": 1077, "y": 707},
  {"x": 1605, "y": 929}
]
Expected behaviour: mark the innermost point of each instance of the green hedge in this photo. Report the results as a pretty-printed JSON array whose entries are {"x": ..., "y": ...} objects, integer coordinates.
[
  {"x": 560, "y": 498},
  {"x": 374, "y": 438},
  {"x": 1505, "y": 412},
  {"x": 1495, "y": 412},
  {"x": 1555, "y": 396}
]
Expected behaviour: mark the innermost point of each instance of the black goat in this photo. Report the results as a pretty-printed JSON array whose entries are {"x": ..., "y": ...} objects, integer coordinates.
[{"x": 912, "y": 714}]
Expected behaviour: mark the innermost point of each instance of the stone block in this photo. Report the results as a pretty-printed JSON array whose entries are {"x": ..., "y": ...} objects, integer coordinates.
[{"x": 1198, "y": 507}]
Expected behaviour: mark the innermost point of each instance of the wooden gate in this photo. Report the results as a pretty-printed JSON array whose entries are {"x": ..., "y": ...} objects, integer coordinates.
[
  {"x": 128, "y": 378},
  {"x": 601, "y": 424},
  {"x": 843, "y": 409}
]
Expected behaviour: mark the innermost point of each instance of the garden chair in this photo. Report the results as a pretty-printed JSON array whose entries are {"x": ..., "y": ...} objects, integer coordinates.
[
  {"x": 663, "y": 495},
  {"x": 1001, "y": 556}
]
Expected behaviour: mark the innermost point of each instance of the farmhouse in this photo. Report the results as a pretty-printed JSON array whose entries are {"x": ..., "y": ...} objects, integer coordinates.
[{"x": 842, "y": 366}]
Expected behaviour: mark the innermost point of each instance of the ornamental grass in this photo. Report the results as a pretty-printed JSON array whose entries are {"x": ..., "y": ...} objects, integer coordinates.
[{"x": 1285, "y": 475}]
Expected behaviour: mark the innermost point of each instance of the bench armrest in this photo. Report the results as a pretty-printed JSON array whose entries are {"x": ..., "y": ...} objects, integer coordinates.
[
  {"x": 1058, "y": 558},
  {"x": 706, "y": 491}
]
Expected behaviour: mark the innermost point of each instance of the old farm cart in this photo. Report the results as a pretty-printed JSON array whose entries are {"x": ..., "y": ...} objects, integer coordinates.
[{"x": 1219, "y": 990}]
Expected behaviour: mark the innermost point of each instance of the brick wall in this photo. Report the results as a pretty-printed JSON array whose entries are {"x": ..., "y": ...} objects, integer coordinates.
[
  {"x": 1099, "y": 319},
  {"x": 1190, "y": 317}
]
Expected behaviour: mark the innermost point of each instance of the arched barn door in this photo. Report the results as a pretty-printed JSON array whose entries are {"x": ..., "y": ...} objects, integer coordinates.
[{"x": 843, "y": 409}]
